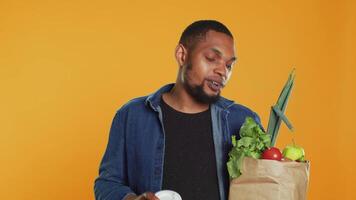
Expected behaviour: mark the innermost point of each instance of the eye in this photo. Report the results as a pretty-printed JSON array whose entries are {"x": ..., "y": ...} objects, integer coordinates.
[
  {"x": 210, "y": 59},
  {"x": 230, "y": 65}
]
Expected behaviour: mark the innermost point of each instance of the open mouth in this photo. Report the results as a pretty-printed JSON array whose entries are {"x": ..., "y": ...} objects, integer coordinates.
[{"x": 214, "y": 85}]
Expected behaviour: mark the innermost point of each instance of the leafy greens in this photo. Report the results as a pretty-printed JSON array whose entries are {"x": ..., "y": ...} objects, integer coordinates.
[{"x": 253, "y": 141}]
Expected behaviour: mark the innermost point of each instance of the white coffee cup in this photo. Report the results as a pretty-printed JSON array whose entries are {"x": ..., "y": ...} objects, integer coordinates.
[{"x": 168, "y": 195}]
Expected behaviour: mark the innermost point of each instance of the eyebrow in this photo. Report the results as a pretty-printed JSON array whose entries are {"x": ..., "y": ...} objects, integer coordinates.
[{"x": 220, "y": 53}]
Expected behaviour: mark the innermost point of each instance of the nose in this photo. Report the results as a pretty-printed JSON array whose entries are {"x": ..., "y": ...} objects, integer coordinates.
[{"x": 221, "y": 70}]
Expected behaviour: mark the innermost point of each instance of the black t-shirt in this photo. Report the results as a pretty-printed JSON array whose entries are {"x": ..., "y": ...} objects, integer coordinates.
[{"x": 189, "y": 161}]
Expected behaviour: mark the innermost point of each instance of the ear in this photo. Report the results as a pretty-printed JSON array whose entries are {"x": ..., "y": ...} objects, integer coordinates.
[{"x": 181, "y": 54}]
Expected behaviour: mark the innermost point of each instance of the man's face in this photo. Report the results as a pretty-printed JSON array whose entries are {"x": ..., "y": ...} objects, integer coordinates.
[{"x": 208, "y": 67}]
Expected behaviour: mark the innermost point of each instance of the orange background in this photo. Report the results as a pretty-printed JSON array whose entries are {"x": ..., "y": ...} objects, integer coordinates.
[{"x": 67, "y": 66}]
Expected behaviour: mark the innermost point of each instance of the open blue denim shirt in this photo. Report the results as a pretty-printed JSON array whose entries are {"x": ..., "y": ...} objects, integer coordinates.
[{"x": 133, "y": 160}]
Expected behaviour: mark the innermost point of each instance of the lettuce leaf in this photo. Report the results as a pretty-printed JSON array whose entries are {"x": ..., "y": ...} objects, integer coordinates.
[{"x": 253, "y": 141}]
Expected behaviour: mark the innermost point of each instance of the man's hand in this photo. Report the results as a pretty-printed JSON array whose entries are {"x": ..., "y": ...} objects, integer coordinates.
[{"x": 144, "y": 196}]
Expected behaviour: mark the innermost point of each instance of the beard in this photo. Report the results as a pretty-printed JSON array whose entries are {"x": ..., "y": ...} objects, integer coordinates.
[{"x": 197, "y": 91}]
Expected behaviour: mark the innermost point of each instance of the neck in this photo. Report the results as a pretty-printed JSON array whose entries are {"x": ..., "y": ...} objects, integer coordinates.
[{"x": 180, "y": 100}]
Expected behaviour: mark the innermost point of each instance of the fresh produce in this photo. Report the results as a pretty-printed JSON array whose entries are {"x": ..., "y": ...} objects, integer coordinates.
[
  {"x": 294, "y": 152},
  {"x": 253, "y": 141},
  {"x": 257, "y": 144},
  {"x": 272, "y": 153},
  {"x": 277, "y": 111}
]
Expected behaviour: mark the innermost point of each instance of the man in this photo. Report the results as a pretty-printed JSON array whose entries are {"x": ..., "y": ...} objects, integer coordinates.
[{"x": 178, "y": 138}]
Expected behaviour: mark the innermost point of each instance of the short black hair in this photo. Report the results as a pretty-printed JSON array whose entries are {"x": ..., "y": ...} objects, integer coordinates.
[{"x": 197, "y": 31}]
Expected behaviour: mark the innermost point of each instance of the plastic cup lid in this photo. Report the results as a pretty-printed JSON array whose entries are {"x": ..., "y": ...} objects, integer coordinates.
[{"x": 168, "y": 195}]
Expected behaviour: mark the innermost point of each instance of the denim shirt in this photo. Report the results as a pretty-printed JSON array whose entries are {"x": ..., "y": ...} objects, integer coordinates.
[{"x": 133, "y": 160}]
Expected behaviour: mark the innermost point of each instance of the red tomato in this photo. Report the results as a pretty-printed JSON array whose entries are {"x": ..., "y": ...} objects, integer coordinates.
[{"x": 272, "y": 153}]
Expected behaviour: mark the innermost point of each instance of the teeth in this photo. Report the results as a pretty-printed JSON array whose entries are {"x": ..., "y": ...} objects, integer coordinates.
[{"x": 215, "y": 83}]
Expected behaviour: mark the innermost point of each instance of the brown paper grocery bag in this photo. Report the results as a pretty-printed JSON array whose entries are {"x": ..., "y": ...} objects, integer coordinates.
[{"x": 270, "y": 180}]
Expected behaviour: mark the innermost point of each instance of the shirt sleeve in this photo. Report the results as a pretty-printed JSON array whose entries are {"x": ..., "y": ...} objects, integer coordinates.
[
  {"x": 111, "y": 184},
  {"x": 258, "y": 121}
]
